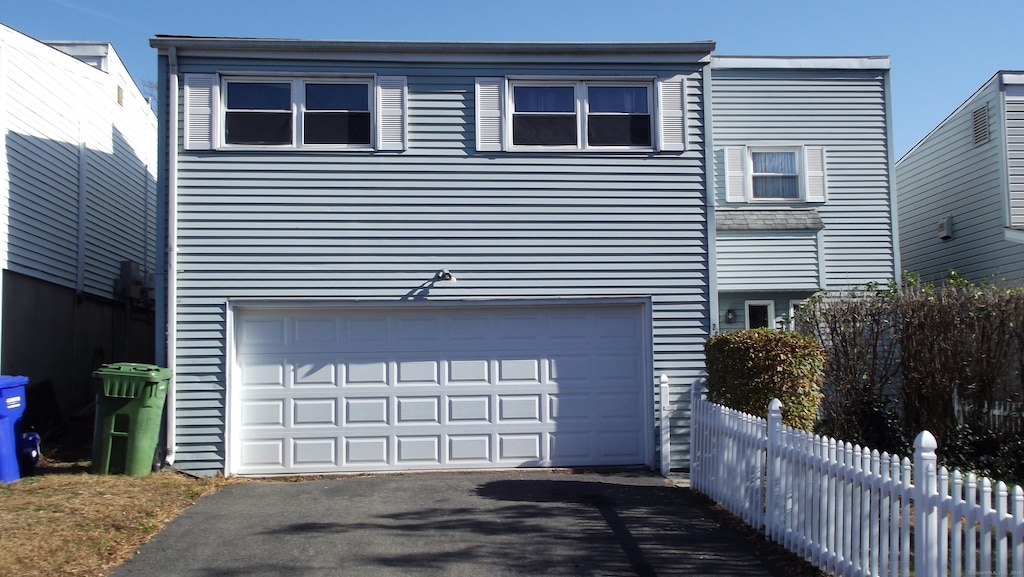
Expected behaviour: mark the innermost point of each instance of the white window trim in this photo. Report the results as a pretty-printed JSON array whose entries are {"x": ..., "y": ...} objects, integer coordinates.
[
  {"x": 738, "y": 170},
  {"x": 793, "y": 306},
  {"x": 298, "y": 111},
  {"x": 582, "y": 113},
  {"x": 204, "y": 111},
  {"x": 771, "y": 312},
  {"x": 667, "y": 107}
]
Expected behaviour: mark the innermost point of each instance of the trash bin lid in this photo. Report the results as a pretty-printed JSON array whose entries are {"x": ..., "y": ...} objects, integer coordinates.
[
  {"x": 10, "y": 381},
  {"x": 138, "y": 370}
]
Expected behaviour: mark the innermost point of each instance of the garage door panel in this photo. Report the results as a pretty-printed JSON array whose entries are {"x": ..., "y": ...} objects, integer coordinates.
[
  {"x": 469, "y": 372},
  {"x": 368, "y": 411},
  {"x": 418, "y": 410},
  {"x": 315, "y": 412},
  {"x": 470, "y": 449},
  {"x": 363, "y": 451},
  {"x": 263, "y": 413},
  {"x": 418, "y": 373},
  {"x": 316, "y": 452},
  {"x": 519, "y": 371},
  {"x": 469, "y": 409},
  {"x": 336, "y": 390},
  {"x": 519, "y": 408},
  {"x": 522, "y": 449},
  {"x": 365, "y": 373},
  {"x": 419, "y": 449}
]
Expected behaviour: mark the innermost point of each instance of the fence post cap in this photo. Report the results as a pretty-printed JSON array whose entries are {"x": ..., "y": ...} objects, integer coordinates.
[
  {"x": 775, "y": 405},
  {"x": 925, "y": 441}
]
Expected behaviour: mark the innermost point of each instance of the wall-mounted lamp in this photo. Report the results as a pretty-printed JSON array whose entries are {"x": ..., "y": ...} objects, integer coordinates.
[
  {"x": 730, "y": 316},
  {"x": 444, "y": 274}
]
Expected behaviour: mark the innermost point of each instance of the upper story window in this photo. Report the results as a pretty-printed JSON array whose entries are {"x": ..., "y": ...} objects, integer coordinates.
[
  {"x": 580, "y": 114},
  {"x": 264, "y": 113},
  {"x": 361, "y": 113},
  {"x": 774, "y": 174},
  {"x": 780, "y": 174}
]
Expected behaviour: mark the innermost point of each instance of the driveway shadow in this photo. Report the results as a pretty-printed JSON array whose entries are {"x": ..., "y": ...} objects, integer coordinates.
[{"x": 500, "y": 523}]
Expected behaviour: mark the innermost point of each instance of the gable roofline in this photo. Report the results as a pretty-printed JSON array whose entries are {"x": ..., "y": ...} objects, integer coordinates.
[
  {"x": 1004, "y": 77},
  {"x": 800, "y": 62},
  {"x": 425, "y": 50}
]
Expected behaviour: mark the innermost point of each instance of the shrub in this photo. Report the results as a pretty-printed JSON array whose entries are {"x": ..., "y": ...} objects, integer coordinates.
[{"x": 747, "y": 369}]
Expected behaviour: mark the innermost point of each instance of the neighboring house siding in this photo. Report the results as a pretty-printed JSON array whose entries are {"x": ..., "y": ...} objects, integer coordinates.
[
  {"x": 1014, "y": 100},
  {"x": 360, "y": 225},
  {"x": 843, "y": 111},
  {"x": 946, "y": 174},
  {"x": 65, "y": 134}
]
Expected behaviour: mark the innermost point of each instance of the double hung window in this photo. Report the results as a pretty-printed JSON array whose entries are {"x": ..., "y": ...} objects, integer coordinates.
[
  {"x": 581, "y": 115},
  {"x": 277, "y": 111},
  {"x": 263, "y": 113},
  {"x": 774, "y": 173}
]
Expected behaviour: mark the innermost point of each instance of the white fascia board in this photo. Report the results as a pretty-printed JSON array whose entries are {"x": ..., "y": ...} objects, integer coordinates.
[
  {"x": 800, "y": 62},
  {"x": 1013, "y": 78}
]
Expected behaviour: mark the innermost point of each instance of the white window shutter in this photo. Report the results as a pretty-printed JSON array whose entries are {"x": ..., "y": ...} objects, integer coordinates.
[
  {"x": 814, "y": 172},
  {"x": 490, "y": 96},
  {"x": 735, "y": 174},
  {"x": 392, "y": 96},
  {"x": 200, "y": 111},
  {"x": 672, "y": 113}
]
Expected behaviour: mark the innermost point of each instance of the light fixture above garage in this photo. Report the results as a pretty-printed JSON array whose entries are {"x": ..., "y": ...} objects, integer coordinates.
[{"x": 444, "y": 274}]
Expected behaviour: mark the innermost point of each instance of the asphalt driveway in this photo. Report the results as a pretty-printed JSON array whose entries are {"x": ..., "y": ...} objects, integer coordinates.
[{"x": 472, "y": 524}]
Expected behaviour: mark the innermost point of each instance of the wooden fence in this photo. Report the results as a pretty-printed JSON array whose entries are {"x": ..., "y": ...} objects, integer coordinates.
[{"x": 850, "y": 510}]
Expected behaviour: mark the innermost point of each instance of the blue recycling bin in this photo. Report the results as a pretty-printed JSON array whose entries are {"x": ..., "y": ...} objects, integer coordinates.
[{"x": 12, "y": 407}]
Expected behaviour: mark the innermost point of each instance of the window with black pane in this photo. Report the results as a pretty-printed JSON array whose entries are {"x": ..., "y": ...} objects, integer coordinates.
[
  {"x": 618, "y": 116},
  {"x": 544, "y": 116},
  {"x": 337, "y": 113},
  {"x": 258, "y": 113}
]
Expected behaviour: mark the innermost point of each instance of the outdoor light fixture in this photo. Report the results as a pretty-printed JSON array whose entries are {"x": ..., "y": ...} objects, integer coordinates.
[
  {"x": 444, "y": 274},
  {"x": 730, "y": 316}
]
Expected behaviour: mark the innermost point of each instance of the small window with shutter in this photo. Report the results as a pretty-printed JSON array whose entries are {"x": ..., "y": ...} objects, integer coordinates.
[
  {"x": 773, "y": 173},
  {"x": 581, "y": 114}
]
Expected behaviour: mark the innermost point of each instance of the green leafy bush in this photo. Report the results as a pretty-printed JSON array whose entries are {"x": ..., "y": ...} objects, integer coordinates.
[{"x": 747, "y": 369}]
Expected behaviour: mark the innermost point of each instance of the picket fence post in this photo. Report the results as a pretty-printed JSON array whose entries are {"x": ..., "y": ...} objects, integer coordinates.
[
  {"x": 926, "y": 517},
  {"x": 665, "y": 426},
  {"x": 773, "y": 500}
]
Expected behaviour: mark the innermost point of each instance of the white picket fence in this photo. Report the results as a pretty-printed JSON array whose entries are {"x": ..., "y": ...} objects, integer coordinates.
[{"x": 850, "y": 510}]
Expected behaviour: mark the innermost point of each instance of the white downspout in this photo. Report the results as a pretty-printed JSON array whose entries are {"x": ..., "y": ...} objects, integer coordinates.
[{"x": 172, "y": 249}]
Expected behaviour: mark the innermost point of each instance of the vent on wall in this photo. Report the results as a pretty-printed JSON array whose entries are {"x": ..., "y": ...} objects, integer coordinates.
[
  {"x": 979, "y": 125},
  {"x": 945, "y": 228}
]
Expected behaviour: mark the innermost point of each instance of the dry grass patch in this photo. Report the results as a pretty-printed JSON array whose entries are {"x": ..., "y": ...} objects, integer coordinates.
[{"x": 66, "y": 521}]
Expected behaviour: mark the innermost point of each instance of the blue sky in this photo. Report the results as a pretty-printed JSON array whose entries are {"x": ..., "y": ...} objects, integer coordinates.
[{"x": 941, "y": 50}]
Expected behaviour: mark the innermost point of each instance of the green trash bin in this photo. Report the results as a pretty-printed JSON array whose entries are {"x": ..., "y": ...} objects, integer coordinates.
[{"x": 129, "y": 409}]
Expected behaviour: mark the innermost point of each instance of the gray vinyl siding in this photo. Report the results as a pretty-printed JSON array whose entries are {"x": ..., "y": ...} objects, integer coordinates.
[
  {"x": 947, "y": 175},
  {"x": 844, "y": 111},
  {"x": 768, "y": 260},
  {"x": 359, "y": 225},
  {"x": 64, "y": 133}
]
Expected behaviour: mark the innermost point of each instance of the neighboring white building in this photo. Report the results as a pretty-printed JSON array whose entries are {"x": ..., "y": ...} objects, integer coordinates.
[
  {"x": 961, "y": 189},
  {"x": 77, "y": 199}
]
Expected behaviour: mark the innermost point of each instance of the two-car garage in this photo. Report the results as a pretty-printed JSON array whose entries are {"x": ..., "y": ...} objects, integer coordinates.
[{"x": 329, "y": 388}]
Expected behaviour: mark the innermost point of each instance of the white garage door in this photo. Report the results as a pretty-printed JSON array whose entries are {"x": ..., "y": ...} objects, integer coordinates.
[{"x": 351, "y": 389}]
